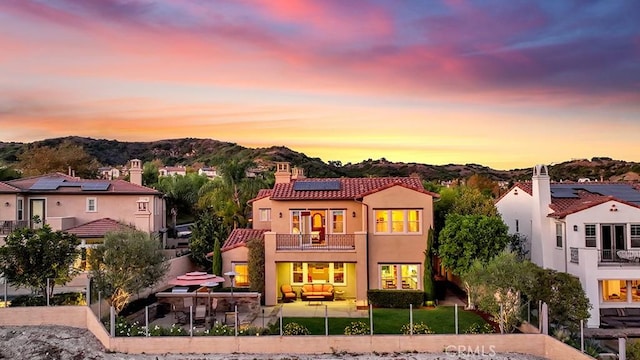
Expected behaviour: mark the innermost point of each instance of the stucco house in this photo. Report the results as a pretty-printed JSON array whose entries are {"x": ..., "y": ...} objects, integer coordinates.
[
  {"x": 355, "y": 234},
  {"x": 172, "y": 170},
  {"x": 64, "y": 202},
  {"x": 588, "y": 229}
]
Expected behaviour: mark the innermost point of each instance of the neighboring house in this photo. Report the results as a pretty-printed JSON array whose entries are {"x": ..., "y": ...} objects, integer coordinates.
[
  {"x": 172, "y": 170},
  {"x": 109, "y": 173},
  {"x": 92, "y": 234},
  {"x": 209, "y": 172},
  {"x": 354, "y": 233},
  {"x": 66, "y": 202},
  {"x": 588, "y": 229}
]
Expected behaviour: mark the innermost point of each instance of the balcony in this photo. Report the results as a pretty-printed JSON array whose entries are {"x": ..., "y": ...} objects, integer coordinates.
[
  {"x": 315, "y": 242},
  {"x": 619, "y": 257},
  {"x": 7, "y": 226}
]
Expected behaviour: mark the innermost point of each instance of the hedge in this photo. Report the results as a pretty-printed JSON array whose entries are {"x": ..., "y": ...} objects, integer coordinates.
[{"x": 395, "y": 298}]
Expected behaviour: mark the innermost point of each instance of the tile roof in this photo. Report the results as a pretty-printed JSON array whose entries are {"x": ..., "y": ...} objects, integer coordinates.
[
  {"x": 262, "y": 193},
  {"x": 97, "y": 228},
  {"x": 350, "y": 188},
  {"x": 115, "y": 186},
  {"x": 6, "y": 188},
  {"x": 571, "y": 197},
  {"x": 239, "y": 237}
]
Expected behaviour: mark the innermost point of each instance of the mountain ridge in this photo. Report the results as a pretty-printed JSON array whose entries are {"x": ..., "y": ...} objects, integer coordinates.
[{"x": 199, "y": 151}]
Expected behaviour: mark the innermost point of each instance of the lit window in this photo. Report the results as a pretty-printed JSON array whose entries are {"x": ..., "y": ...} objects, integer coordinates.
[
  {"x": 242, "y": 274},
  {"x": 401, "y": 221},
  {"x": 92, "y": 204},
  {"x": 303, "y": 273},
  {"x": 399, "y": 276},
  {"x": 337, "y": 221}
]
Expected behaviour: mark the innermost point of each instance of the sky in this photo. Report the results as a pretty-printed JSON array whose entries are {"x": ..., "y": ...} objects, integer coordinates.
[{"x": 507, "y": 84}]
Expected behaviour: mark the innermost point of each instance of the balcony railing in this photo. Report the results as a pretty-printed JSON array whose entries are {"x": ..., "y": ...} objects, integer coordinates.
[
  {"x": 328, "y": 242},
  {"x": 609, "y": 256},
  {"x": 7, "y": 226}
]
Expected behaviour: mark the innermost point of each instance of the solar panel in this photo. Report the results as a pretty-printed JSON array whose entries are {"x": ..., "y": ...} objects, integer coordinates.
[
  {"x": 47, "y": 184},
  {"x": 331, "y": 185},
  {"x": 95, "y": 186},
  {"x": 620, "y": 191}
]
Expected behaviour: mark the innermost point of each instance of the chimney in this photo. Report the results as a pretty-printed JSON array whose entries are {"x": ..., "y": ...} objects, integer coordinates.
[
  {"x": 541, "y": 235},
  {"x": 283, "y": 173},
  {"x": 135, "y": 173},
  {"x": 297, "y": 173}
]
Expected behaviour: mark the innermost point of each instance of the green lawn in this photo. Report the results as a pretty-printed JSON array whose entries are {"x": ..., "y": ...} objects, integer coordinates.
[{"x": 389, "y": 321}]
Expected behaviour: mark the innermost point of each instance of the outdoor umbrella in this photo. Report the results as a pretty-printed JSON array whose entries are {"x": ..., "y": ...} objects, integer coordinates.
[{"x": 195, "y": 278}]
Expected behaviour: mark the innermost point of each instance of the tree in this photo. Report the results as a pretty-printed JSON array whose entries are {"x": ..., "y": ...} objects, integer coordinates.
[
  {"x": 181, "y": 193},
  {"x": 427, "y": 277},
  {"x": 554, "y": 288},
  {"x": 205, "y": 232},
  {"x": 151, "y": 173},
  {"x": 31, "y": 256},
  {"x": 486, "y": 186},
  {"x": 496, "y": 287},
  {"x": 128, "y": 261},
  {"x": 41, "y": 160},
  {"x": 466, "y": 238},
  {"x": 255, "y": 264},
  {"x": 8, "y": 173},
  {"x": 228, "y": 196},
  {"x": 217, "y": 257},
  {"x": 470, "y": 201}
]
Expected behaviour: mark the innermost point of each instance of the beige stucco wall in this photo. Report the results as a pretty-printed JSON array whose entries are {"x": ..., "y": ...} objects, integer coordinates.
[
  {"x": 401, "y": 248},
  {"x": 81, "y": 317},
  {"x": 8, "y": 213},
  {"x": 239, "y": 254},
  {"x": 122, "y": 208},
  {"x": 282, "y": 225}
]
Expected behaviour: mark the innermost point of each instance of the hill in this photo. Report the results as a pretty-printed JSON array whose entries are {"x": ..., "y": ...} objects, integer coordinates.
[{"x": 192, "y": 151}]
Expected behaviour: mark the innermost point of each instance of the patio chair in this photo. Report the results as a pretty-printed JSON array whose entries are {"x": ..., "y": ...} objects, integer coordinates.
[
  {"x": 287, "y": 293},
  {"x": 200, "y": 313}
]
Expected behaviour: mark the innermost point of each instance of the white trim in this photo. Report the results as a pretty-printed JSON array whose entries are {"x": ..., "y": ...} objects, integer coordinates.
[
  {"x": 305, "y": 272},
  {"x": 88, "y": 204}
]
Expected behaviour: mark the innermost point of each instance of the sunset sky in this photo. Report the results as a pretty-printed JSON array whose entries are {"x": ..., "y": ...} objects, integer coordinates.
[{"x": 506, "y": 84}]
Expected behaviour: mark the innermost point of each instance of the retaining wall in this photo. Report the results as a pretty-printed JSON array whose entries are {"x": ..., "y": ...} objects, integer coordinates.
[{"x": 482, "y": 344}]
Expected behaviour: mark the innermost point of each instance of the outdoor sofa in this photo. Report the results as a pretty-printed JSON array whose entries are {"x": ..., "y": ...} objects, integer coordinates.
[{"x": 325, "y": 291}]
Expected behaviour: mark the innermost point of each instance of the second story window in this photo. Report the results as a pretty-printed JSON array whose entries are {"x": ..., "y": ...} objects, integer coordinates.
[
  {"x": 337, "y": 221},
  {"x": 559, "y": 235},
  {"x": 92, "y": 204},
  {"x": 635, "y": 235},
  {"x": 398, "y": 221},
  {"x": 264, "y": 214},
  {"x": 590, "y": 235}
]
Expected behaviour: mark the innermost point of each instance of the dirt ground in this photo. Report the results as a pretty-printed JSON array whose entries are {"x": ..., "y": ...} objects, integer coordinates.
[{"x": 66, "y": 343}]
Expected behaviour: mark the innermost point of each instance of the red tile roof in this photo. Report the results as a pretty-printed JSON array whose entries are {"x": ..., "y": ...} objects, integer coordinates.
[
  {"x": 587, "y": 196},
  {"x": 239, "y": 237},
  {"x": 97, "y": 228},
  {"x": 350, "y": 188},
  {"x": 115, "y": 186},
  {"x": 6, "y": 188},
  {"x": 262, "y": 193}
]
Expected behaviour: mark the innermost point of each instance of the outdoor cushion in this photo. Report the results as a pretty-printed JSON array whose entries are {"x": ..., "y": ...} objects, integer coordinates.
[
  {"x": 632, "y": 311},
  {"x": 608, "y": 312}
]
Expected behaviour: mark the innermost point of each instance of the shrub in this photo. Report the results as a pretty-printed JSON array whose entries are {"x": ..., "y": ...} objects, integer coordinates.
[
  {"x": 57, "y": 299},
  {"x": 418, "y": 328},
  {"x": 476, "y": 328},
  {"x": 123, "y": 328},
  {"x": 294, "y": 328},
  {"x": 395, "y": 298},
  {"x": 633, "y": 350},
  {"x": 357, "y": 328},
  {"x": 253, "y": 331}
]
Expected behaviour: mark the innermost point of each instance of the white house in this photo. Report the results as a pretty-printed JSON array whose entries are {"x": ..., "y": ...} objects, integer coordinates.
[
  {"x": 210, "y": 172},
  {"x": 172, "y": 170},
  {"x": 588, "y": 229}
]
